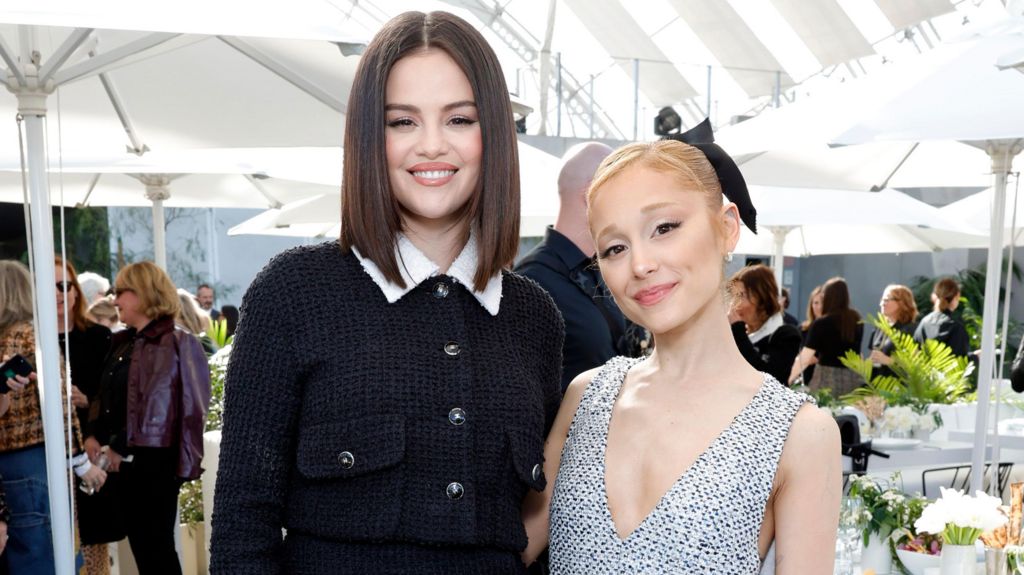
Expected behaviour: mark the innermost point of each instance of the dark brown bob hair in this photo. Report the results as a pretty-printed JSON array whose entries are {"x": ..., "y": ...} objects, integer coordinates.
[{"x": 370, "y": 215}]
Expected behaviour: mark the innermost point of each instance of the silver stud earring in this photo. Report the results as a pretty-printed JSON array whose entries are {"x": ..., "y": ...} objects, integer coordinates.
[{"x": 728, "y": 257}]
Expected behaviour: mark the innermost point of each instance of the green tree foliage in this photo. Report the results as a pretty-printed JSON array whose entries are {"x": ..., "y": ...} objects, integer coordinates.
[{"x": 86, "y": 236}]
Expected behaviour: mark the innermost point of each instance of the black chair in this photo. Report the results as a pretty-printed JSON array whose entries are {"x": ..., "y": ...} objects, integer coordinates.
[
  {"x": 858, "y": 451},
  {"x": 959, "y": 477}
]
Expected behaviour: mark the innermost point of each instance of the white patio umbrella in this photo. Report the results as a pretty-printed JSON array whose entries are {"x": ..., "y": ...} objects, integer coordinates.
[
  {"x": 321, "y": 216},
  {"x": 956, "y": 92},
  {"x": 869, "y": 167},
  {"x": 316, "y": 217},
  {"x": 199, "y": 178},
  {"x": 804, "y": 222},
  {"x": 976, "y": 211},
  {"x": 163, "y": 89}
]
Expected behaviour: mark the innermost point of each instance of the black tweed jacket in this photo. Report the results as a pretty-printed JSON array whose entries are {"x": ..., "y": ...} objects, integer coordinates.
[{"x": 384, "y": 438}]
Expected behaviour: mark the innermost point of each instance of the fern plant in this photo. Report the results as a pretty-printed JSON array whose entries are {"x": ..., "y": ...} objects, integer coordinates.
[{"x": 926, "y": 374}]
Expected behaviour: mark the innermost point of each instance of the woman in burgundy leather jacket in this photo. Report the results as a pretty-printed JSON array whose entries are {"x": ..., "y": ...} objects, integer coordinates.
[{"x": 154, "y": 394}]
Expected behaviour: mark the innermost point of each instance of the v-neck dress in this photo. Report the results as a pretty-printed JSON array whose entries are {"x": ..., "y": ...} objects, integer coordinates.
[{"x": 707, "y": 522}]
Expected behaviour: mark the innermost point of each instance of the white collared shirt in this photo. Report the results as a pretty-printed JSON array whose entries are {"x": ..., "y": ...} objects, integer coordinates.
[
  {"x": 416, "y": 268},
  {"x": 773, "y": 323}
]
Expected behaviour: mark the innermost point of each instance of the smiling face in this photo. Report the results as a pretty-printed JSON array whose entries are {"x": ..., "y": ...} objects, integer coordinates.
[
  {"x": 660, "y": 247},
  {"x": 432, "y": 139}
]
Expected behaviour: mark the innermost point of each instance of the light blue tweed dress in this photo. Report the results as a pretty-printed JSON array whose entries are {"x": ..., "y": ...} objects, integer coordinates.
[{"x": 707, "y": 522}]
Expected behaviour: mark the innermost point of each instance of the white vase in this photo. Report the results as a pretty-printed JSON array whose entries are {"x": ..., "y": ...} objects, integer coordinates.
[
  {"x": 958, "y": 560},
  {"x": 876, "y": 555},
  {"x": 922, "y": 434}
]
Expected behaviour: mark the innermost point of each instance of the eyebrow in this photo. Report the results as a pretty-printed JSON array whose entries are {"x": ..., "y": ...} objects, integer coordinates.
[
  {"x": 655, "y": 207},
  {"x": 446, "y": 108},
  {"x": 644, "y": 210}
]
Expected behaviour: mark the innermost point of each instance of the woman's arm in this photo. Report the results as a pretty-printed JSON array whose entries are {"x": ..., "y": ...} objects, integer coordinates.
[
  {"x": 195, "y": 399},
  {"x": 262, "y": 396},
  {"x": 806, "y": 358},
  {"x": 806, "y": 502},
  {"x": 536, "y": 505}
]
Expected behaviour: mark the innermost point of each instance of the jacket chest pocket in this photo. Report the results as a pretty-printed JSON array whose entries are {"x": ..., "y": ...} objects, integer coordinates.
[{"x": 353, "y": 448}]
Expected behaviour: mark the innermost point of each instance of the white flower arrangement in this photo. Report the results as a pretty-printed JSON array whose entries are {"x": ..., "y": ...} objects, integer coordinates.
[
  {"x": 926, "y": 422},
  {"x": 960, "y": 518},
  {"x": 899, "y": 418}
]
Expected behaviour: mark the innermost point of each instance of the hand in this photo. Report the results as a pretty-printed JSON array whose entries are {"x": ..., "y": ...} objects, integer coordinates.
[
  {"x": 92, "y": 447},
  {"x": 880, "y": 358},
  {"x": 18, "y": 382},
  {"x": 3, "y": 536},
  {"x": 78, "y": 399},
  {"x": 115, "y": 460},
  {"x": 95, "y": 477},
  {"x": 734, "y": 315}
]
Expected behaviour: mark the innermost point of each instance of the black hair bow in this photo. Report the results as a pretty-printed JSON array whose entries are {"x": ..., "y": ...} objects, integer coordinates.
[{"x": 733, "y": 185}]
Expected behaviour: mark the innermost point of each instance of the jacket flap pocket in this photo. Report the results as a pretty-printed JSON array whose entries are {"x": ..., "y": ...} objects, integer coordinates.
[
  {"x": 351, "y": 448},
  {"x": 527, "y": 457}
]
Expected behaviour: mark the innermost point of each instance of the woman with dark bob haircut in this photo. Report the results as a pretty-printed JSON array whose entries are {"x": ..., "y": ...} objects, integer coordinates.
[
  {"x": 761, "y": 335},
  {"x": 400, "y": 431}
]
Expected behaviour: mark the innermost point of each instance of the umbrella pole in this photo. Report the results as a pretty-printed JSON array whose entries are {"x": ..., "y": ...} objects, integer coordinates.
[
  {"x": 159, "y": 235},
  {"x": 1002, "y": 154},
  {"x": 47, "y": 354},
  {"x": 157, "y": 190},
  {"x": 779, "y": 258},
  {"x": 1001, "y": 363}
]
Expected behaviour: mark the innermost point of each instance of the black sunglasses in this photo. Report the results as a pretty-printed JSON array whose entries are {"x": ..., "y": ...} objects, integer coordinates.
[
  {"x": 65, "y": 286},
  {"x": 119, "y": 291}
]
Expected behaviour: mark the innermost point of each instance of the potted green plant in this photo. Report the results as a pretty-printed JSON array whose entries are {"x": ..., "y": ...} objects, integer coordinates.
[
  {"x": 923, "y": 374},
  {"x": 887, "y": 517}
]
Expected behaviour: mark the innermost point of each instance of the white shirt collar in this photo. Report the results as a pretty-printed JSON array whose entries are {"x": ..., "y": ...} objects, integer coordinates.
[
  {"x": 769, "y": 327},
  {"x": 416, "y": 268}
]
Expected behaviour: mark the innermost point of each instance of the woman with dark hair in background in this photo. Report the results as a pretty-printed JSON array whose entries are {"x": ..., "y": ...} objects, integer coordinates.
[
  {"x": 87, "y": 345},
  {"x": 900, "y": 311},
  {"x": 153, "y": 399},
  {"x": 829, "y": 338},
  {"x": 230, "y": 314},
  {"x": 941, "y": 324},
  {"x": 391, "y": 417},
  {"x": 764, "y": 339}
]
